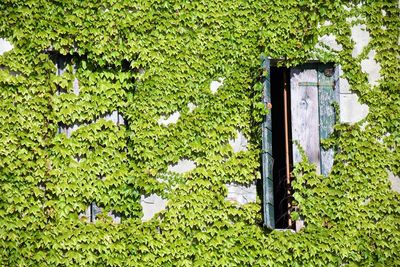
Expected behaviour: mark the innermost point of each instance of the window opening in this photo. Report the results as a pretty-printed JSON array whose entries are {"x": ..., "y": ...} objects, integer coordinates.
[
  {"x": 301, "y": 100},
  {"x": 62, "y": 62},
  {"x": 281, "y": 146}
]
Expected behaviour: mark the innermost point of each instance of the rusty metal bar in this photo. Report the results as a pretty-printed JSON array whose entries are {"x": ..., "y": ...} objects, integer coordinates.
[{"x": 286, "y": 119}]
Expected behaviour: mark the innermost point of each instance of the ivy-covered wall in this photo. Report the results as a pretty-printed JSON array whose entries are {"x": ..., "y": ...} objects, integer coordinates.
[{"x": 148, "y": 60}]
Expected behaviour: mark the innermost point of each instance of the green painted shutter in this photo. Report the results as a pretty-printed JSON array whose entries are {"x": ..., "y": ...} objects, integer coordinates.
[
  {"x": 267, "y": 160},
  {"x": 327, "y": 96}
]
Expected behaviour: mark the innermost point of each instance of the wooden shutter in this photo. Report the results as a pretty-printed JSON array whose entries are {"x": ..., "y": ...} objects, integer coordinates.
[
  {"x": 313, "y": 116},
  {"x": 304, "y": 112},
  {"x": 267, "y": 160}
]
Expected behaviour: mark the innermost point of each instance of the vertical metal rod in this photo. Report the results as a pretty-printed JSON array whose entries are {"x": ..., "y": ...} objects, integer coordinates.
[
  {"x": 285, "y": 108},
  {"x": 92, "y": 215}
]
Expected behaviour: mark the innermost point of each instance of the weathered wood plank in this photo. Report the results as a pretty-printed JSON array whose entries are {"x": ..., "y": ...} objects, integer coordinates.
[
  {"x": 304, "y": 114},
  {"x": 267, "y": 160},
  {"x": 327, "y": 118}
]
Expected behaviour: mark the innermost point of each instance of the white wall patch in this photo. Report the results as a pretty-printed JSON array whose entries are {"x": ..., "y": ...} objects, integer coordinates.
[
  {"x": 113, "y": 116},
  {"x": 327, "y": 23},
  {"x": 351, "y": 111},
  {"x": 171, "y": 119},
  {"x": 330, "y": 41},
  {"x": 395, "y": 182},
  {"x": 216, "y": 84},
  {"x": 344, "y": 85},
  {"x": 372, "y": 68},
  {"x": 361, "y": 37},
  {"x": 191, "y": 107},
  {"x": 5, "y": 46},
  {"x": 183, "y": 166},
  {"x": 241, "y": 194},
  {"x": 239, "y": 143},
  {"x": 152, "y": 205},
  {"x": 68, "y": 130}
]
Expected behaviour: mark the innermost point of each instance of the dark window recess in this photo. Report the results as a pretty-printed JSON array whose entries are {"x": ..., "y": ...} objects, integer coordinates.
[{"x": 281, "y": 187}]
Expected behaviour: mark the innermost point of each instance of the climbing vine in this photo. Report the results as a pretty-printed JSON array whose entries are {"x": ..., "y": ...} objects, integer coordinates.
[{"x": 149, "y": 59}]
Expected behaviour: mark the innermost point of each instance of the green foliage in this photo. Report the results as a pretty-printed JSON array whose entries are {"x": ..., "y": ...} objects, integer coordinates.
[{"x": 149, "y": 59}]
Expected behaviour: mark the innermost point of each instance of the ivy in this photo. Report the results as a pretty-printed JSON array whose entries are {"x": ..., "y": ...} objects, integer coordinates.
[{"x": 147, "y": 60}]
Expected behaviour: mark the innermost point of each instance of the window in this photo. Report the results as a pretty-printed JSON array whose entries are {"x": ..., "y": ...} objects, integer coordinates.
[
  {"x": 67, "y": 72},
  {"x": 302, "y": 110}
]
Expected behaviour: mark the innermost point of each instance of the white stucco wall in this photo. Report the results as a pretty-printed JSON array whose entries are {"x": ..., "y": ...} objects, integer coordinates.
[
  {"x": 183, "y": 166},
  {"x": 351, "y": 110},
  {"x": 191, "y": 107},
  {"x": 151, "y": 205},
  {"x": 330, "y": 41},
  {"x": 241, "y": 194},
  {"x": 216, "y": 84},
  {"x": 239, "y": 143},
  {"x": 5, "y": 46},
  {"x": 394, "y": 182},
  {"x": 172, "y": 119},
  {"x": 371, "y": 68},
  {"x": 360, "y": 37}
]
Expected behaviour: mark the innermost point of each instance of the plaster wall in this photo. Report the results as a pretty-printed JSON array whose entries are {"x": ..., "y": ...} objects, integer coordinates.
[{"x": 5, "y": 46}]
